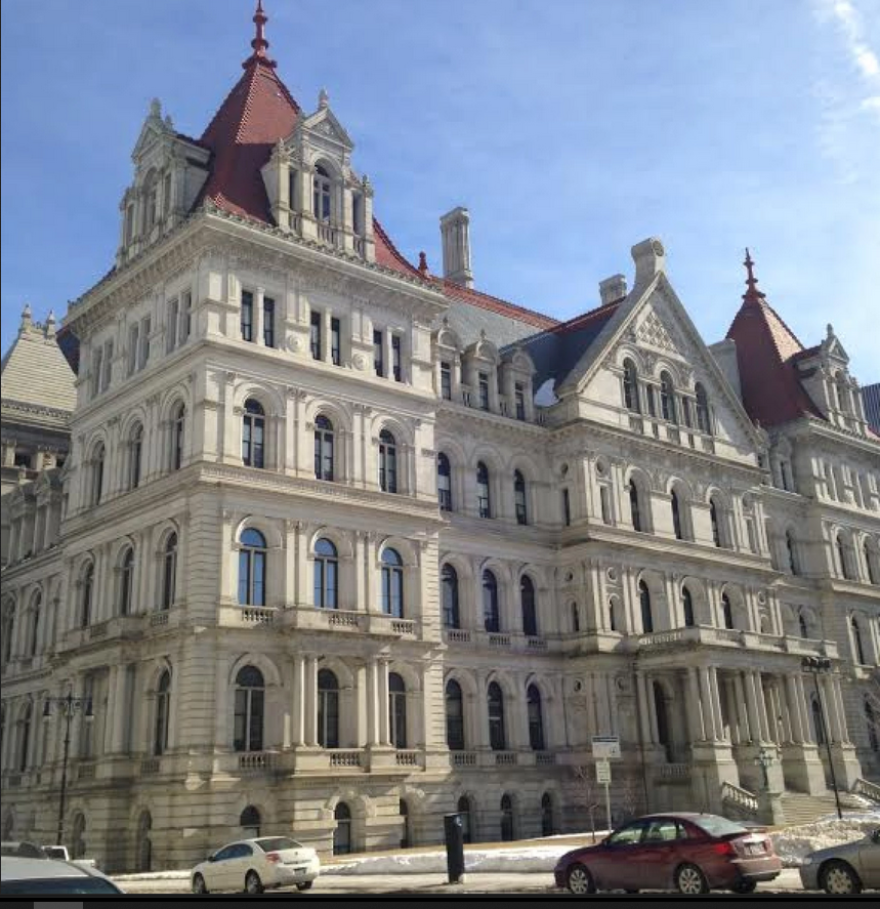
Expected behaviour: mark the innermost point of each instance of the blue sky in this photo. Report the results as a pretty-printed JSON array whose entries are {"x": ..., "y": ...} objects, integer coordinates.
[{"x": 571, "y": 129}]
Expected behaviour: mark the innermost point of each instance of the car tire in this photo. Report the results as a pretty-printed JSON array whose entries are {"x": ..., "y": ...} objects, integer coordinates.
[
  {"x": 744, "y": 886},
  {"x": 580, "y": 881},
  {"x": 252, "y": 883},
  {"x": 839, "y": 879},
  {"x": 198, "y": 885},
  {"x": 304, "y": 885},
  {"x": 690, "y": 881}
]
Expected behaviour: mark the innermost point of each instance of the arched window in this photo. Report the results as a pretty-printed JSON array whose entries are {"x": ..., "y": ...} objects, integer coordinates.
[
  {"x": 163, "y": 703},
  {"x": 326, "y": 575},
  {"x": 716, "y": 525},
  {"x": 392, "y": 583},
  {"x": 403, "y": 810},
  {"x": 662, "y": 714},
  {"x": 250, "y": 822},
  {"x": 497, "y": 736},
  {"x": 519, "y": 496},
  {"x": 842, "y": 393},
  {"x": 547, "y": 825},
  {"x": 841, "y": 557},
  {"x": 177, "y": 436},
  {"x": 688, "y": 605},
  {"x": 323, "y": 194},
  {"x": 645, "y": 604},
  {"x": 35, "y": 625},
  {"x": 507, "y": 831},
  {"x": 634, "y": 506},
  {"x": 872, "y": 721},
  {"x": 88, "y": 592},
  {"x": 631, "y": 387},
  {"x": 727, "y": 611},
  {"x": 869, "y": 564},
  {"x": 529, "y": 610},
  {"x": 792, "y": 557},
  {"x": 484, "y": 504},
  {"x": 612, "y": 617},
  {"x": 324, "y": 440},
  {"x": 858, "y": 648},
  {"x": 397, "y": 709},
  {"x": 704, "y": 424},
  {"x": 253, "y": 433},
  {"x": 491, "y": 613},
  {"x": 98, "y": 474},
  {"x": 818, "y": 721},
  {"x": 250, "y": 692},
  {"x": 449, "y": 584},
  {"x": 151, "y": 200},
  {"x": 78, "y": 836},
  {"x": 169, "y": 571},
  {"x": 328, "y": 709},
  {"x": 667, "y": 398},
  {"x": 464, "y": 809},
  {"x": 144, "y": 845},
  {"x": 454, "y": 716},
  {"x": 387, "y": 462},
  {"x": 252, "y": 568},
  {"x": 126, "y": 583},
  {"x": 536, "y": 718},
  {"x": 802, "y": 626},
  {"x": 575, "y": 618},
  {"x": 444, "y": 483},
  {"x": 676, "y": 516},
  {"x": 135, "y": 456},
  {"x": 342, "y": 833},
  {"x": 24, "y": 739},
  {"x": 8, "y": 631}
]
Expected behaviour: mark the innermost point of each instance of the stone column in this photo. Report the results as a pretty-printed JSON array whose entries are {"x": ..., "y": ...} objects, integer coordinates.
[
  {"x": 652, "y": 712},
  {"x": 384, "y": 724},
  {"x": 299, "y": 700},
  {"x": 694, "y": 708},
  {"x": 762, "y": 707},
  {"x": 706, "y": 700},
  {"x": 311, "y": 699},
  {"x": 801, "y": 703},
  {"x": 644, "y": 720},
  {"x": 372, "y": 703},
  {"x": 259, "y": 298},
  {"x": 752, "y": 706},
  {"x": 839, "y": 708},
  {"x": 716, "y": 704},
  {"x": 832, "y": 718}
]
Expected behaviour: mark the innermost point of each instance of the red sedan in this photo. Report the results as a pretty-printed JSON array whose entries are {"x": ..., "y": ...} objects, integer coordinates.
[{"x": 693, "y": 853}]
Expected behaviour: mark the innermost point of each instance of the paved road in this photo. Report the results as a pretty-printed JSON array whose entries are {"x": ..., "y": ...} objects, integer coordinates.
[{"x": 339, "y": 884}]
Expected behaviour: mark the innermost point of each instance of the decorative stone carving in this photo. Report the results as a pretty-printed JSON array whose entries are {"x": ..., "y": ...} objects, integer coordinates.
[{"x": 652, "y": 331}]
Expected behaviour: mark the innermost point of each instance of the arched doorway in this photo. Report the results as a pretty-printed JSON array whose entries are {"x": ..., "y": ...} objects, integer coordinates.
[
  {"x": 250, "y": 822},
  {"x": 406, "y": 839},
  {"x": 546, "y": 814},
  {"x": 464, "y": 809},
  {"x": 662, "y": 714},
  {"x": 506, "y": 818},
  {"x": 342, "y": 833},
  {"x": 144, "y": 860}
]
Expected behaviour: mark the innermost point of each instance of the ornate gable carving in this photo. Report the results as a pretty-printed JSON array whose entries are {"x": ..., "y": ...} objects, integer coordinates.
[{"x": 654, "y": 333}]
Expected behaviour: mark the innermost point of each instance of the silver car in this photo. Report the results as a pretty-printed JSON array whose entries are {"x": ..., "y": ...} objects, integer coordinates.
[
  {"x": 258, "y": 864},
  {"x": 848, "y": 868}
]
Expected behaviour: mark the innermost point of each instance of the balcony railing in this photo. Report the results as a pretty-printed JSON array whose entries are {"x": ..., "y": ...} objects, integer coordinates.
[
  {"x": 407, "y": 759},
  {"x": 339, "y": 758},
  {"x": 505, "y": 758},
  {"x": 464, "y": 758},
  {"x": 257, "y": 761},
  {"x": 86, "y": 771},
  {"x": 150, "y": 766},
  {"x": 736, "y": 637}
]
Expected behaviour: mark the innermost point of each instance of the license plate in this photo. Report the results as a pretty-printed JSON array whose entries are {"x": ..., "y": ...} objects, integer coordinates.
[
  {"x": 300, "y": 870},
  {"x": 755, "y": 849}
]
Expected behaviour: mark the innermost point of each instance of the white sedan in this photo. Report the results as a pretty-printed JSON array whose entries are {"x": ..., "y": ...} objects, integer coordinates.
[{"x": 256, "y": 865}]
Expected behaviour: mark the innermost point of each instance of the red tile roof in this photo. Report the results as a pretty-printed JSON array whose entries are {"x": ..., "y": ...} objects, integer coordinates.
[{"x": 495, "y": 304}]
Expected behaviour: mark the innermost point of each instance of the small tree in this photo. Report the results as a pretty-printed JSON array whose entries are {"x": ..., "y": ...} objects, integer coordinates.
[
  {"x": 630, "y": 795},
  {"x": 587, "y": 795}
]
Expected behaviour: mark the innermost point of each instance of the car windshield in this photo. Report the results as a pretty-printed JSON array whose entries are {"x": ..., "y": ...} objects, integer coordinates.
[
  {"x": 58, "y": 886},
  {"x": 718, "y": 826},
  {"x": 277, "y": 843}
]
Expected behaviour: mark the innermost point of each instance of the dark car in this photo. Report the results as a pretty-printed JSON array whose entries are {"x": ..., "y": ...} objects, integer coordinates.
[
  {"x": 845, "y": 868},
  {"x": 693, "y": 853}
]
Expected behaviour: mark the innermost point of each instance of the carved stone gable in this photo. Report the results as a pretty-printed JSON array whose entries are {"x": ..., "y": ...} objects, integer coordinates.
[{"x": 653, "y": 333}]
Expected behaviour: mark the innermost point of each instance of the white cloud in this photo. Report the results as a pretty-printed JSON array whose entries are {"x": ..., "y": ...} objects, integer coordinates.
[{"x": 866, "y": 60}]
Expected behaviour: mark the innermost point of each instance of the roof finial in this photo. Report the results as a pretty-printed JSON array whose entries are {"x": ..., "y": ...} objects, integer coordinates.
[
  {"x": 259, "y": 44},
  {"x": 50, "y": 324},
  {"x": 423, "y": 264},
  {"x": 323, "y": 98},
  {"x": 752, "y": 292}
]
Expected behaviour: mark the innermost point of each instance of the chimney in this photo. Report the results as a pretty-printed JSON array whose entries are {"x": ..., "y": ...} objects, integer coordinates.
[
  {"x": 612, "y": 289},
  {"x": 454, "y": 230}
]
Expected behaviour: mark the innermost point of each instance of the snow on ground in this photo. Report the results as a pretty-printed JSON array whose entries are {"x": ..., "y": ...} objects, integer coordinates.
[{"x": 791, "y": 844}]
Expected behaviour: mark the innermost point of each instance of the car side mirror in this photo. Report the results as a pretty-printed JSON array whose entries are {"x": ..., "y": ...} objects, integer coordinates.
[
  {"x": 875, "y": 836},
  {"x": 212, "y": 857}
]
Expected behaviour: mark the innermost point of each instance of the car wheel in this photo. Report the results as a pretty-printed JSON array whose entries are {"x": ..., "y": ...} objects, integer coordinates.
[
  {"x": 199, "y": 884},
  {"x": 744, "y": 886},
  {"x": 580, "y": 880},
  {"x": 690, "y": 880},
  {"x": 304, "y": 885},
  {"x": 838, "y": 878},
  {"x": 252, "y": 883}
]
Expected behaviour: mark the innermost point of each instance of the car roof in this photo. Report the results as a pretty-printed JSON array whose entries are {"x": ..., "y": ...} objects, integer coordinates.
[{"x": 15, "y": 868}]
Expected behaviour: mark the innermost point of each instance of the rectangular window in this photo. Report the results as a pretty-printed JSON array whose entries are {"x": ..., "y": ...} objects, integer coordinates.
[
  {"x": 133, "y": 349},
  {"x": 97, "y": 369},
  {"x": 566, "y": 508},
  {"x": 186, "y": 316},
  {"x": 171, "y": 325},
  {"x": 652, "y": 404},
  {"x": 395, "y": 358},
  {"x": 445, "y": 381},
  {"x": 166, "y": 193},
  {"x": 108, "y": 365},
  {"x": 335, "y": 336},
  {"x": 520, "y": 400},
  {"x": 378, "y": 352},
  {"x": 315, "y": 335},
  {"x": 484, "y": 391},
  {"x": 129, "y": 224},
  {"x": 146, "y": 327},
  {"x": 247, "y": 315},
  {"x": 605, "y": 504},
  {"x": 268, "y": 322}
]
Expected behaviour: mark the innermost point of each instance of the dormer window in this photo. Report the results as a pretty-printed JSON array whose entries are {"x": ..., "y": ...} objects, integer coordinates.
[
  {"x": 151, "y": 201},
  {"x": 322, "y": 190}
]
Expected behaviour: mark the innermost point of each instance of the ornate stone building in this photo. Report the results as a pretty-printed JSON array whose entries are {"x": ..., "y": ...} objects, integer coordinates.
[{"x": 342, "y": 546}]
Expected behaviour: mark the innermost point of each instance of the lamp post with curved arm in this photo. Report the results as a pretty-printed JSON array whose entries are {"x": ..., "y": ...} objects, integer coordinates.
[
  {"x": 816, "y": 666},
  {"x": 69, "y": 704}
]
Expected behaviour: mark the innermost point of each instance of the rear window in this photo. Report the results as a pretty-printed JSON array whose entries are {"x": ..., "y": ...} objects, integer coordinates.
[
  {"x": 58, "y": 886},
  {"x": 277, "y": 843},
  {"x": 718, "y": 826}
]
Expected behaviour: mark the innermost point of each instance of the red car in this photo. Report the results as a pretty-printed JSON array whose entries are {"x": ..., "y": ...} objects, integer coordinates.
[{"x": 693, "y": 853}]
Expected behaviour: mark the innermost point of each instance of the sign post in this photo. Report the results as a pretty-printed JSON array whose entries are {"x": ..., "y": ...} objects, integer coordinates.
[{"x": 605, "y": 747}]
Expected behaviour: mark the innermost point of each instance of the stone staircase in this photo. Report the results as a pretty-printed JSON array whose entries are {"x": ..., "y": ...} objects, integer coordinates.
[{"x": 801, "y": 808}]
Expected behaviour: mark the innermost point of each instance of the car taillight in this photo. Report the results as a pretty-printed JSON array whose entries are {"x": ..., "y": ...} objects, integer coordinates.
[
  {"x": 724, "y": 849},
  {"x": 273, "y": 857}
]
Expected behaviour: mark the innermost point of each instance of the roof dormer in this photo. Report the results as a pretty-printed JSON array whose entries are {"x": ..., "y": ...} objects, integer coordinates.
[{"x": 170, "y": 171}]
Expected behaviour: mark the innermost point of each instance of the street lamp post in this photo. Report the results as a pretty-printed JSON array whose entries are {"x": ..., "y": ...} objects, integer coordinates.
[
  {"x": 764, "y": 760},
  {"x": 69, "y": 705},
  {"x": 815, "y": 666}
]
